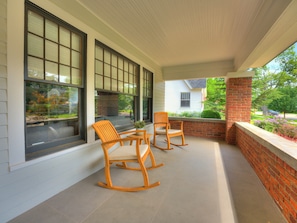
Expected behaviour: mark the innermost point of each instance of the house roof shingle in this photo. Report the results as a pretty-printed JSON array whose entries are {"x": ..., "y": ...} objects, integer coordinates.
[{"x": 197, "y": 83}]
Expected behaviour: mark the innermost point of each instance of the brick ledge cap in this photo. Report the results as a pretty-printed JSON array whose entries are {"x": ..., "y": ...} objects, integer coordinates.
[{"x": 284, "y": 149}]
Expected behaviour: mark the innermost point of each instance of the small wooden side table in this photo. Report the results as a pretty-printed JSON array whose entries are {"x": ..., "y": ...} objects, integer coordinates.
[{"x": 141, "y": 137}]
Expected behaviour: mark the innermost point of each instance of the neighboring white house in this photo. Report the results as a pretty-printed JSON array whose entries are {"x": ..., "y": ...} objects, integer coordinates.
[{"x": 185, "y": 95}]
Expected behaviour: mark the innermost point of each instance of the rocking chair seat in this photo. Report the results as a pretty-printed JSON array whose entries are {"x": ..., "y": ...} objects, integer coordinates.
[
  {"x": 127, "y": 152},
  {"x": 169, "y": 131}
]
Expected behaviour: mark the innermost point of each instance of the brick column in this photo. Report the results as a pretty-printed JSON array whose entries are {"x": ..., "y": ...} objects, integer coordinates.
[{"x": 238, "y": 104}]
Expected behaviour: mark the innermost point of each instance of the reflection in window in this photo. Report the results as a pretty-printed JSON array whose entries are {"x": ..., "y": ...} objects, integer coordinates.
[
  {"x": 54, "y": 83},
  {"x": 118, "y": 108},
  {"x": 51, "y": 113}
]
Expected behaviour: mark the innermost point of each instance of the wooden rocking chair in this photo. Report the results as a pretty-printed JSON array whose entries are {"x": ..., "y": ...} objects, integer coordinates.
[
  {"x": 162, "y": 127},
  {"x": 123, "y": 153}
]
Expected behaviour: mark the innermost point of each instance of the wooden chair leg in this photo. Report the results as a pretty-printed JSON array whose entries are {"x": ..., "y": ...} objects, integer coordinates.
[{"x": 153, "y": 162}]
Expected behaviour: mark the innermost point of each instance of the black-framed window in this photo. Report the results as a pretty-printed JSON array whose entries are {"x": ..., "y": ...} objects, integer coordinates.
[
  {"x": 185, "y": 98},
  {"x": 116, "y": 87},
  {"x": 147, "y": 95},
  {"x": 55, "y": 61}
]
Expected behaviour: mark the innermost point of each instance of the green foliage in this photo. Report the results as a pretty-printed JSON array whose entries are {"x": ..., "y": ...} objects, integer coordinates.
[
  {"x": 125, "y": 102},
  {"x": 287, "y": 101},
  {"x": 263, "y": 87},
  {"x": 187, "y": 114},
  {"x": 216, "y": 95},
  {"x": 210, "y": 114},
  {"x": 288, "y": 131},
  {"x": 278, "y": 126},
  {"x": 190, "y": 114},
  {"x": 280, "y": 73},
  {"x": 139, "y": 124}
]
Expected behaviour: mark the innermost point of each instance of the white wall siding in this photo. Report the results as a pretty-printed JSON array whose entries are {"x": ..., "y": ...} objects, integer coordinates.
[
  {"x": 26, "y": 184},
  {"x": 173, "y": 91},
  {"x": 3, "y": 90},
  {"x": 159, "y": 93}
]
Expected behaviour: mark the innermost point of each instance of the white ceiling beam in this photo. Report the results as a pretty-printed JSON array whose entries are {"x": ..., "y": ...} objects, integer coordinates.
[{"x": 200, "y": 70}]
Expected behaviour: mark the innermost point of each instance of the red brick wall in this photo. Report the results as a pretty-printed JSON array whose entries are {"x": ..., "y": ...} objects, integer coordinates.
[
  {"x": 238, "y": 104},
  {"x": 277, "y": 176},
  {"x": 204, "y": 128}
]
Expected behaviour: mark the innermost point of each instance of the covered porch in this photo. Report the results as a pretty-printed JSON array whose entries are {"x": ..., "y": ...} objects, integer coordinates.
[{"x": 206, "y": 181}]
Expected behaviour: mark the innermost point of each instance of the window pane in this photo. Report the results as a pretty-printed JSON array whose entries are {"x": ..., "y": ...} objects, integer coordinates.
[
  {"x": 126, "y": 77},
  {"x": 114, "y": 60},
  {"x": 35, "y": 68},
  {"x": 126, "y": 88},
  {"x": 51, "y": 113},
  {"x": 64, "y": 55},
  {"x": 51, "y": 51},
  {"x": 64, "y": 37},
  {"x": 35, "y": 46},
  {"x": 99, "y": 53},
  {"x": 75, "y": 59},
  {"x": 107, "y": 70},
  {"x": 106, "y": 83},
  {"x": 51, "y": 71},
  {"x": 121, "y": 86},
  {"x": 99, "y": 67},
  {"x": 131, "y": 78},
  {"x": 114, "y": 72},
  {"x": 99, "y": 82},
  {"x": 51, "y": 30},
  {"x": 131, "y": 69},
  {"x": 64, "y": 74},
  {"x": 76, "y": 42},
  {"x": 114, "y": 85},
  {"x": 35, "y": 23},
  {"x": 126, "y": 68},
  {"x": 118, "y": 108},
  {"x": 106, "y": 57},
  {"x": 121, "y": 64},
  {"x": 76, "y": 77},
  {"x": 120, "y": 75}
]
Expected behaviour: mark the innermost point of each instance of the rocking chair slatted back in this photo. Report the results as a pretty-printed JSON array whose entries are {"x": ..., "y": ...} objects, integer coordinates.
[
  {"x": 106, "y": 132},
  {"x": 161, "y": 119}
]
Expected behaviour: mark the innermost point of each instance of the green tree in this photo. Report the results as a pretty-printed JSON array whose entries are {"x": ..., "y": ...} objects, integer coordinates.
[
  {"x": 280, "y": 73},
  {"x": 264, "y": 87},
  {"x": 216, "y": 95},
  {"x": 287, "y": 102},
  {"x": 287, "y": 62}
]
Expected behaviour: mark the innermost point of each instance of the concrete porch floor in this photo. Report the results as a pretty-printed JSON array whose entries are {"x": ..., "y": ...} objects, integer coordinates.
[{"x": 206, "y": 181}]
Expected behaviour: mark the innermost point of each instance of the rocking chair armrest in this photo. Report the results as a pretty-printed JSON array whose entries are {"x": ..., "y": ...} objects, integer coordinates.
[
  {"x": 122, "y": 140},
  {"x": 131, "y": 132}
]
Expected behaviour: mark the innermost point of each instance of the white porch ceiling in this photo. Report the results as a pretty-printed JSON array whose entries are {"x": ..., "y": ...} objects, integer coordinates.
[{"x": 200, "y": 38}]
